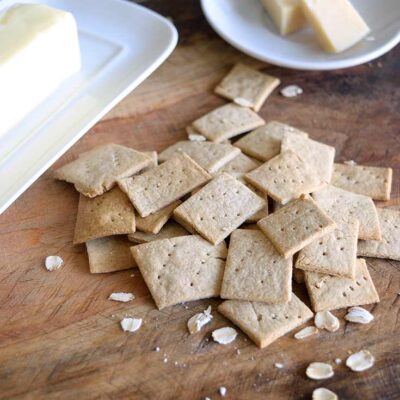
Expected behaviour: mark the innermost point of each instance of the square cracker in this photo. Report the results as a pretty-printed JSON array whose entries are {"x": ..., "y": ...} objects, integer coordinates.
[
  {"x": 162, "y": 185},
  {"x": 332, "y": 292},
  {"x": 170, "y": 230},
  {"x": 340, "y": 204},
  {"x": 98, "y": 170},
  {"x": 109, "y": 214},
  {"x": 254, "y": 218},
  {"x": 296, "y": 225},
  {"x": 154, "y": 222},
  {"x": 374, "y": 182},
  {"x": 240, "y": 165},
  {"x": 219, "y": 208},
  {"x": 285, "y": 177},
  {"x": 265, "y": 142},
  {"x": 210, "y": 156},
  {"x": 255, "y": 271},
  {"x": 318, "y": 155},
  {"x": 389, "y": 246},
  {"x": 261, "y": 213},
  {"x": 109, "y": 254},
  {"x": 181, "y": 269},
  {"x": 334, "y": 253},
  {"x": 264, "y": 323},
  {"x": 247, "y": 86},
  {"x": 226, "y": 122}
]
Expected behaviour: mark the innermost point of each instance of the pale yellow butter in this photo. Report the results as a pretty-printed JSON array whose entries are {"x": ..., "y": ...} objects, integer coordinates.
[
  {"x": 39, "y": 49},
  {"x": 336, "y": 23},
  {"x": 286, "y": 14}
]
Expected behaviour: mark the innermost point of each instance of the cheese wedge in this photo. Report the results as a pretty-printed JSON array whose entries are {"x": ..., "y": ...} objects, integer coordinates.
[
  {"x": 336, "y": 23},
  {"x": 286, "y": 14},
  {"x": 38, "y": 49}
]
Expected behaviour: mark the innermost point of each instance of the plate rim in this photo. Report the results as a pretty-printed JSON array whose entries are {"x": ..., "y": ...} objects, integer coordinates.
[{"x": 305, "y": 66}]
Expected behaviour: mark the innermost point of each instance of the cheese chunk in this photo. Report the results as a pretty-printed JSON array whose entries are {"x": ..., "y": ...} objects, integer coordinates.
[
  {"x": 38, "y": 49},
  {"x": 286, "y": 14},
  {"x": 336, "y": 23}
]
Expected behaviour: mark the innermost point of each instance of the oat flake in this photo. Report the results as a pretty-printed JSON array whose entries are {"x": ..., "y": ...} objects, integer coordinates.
[
  {"x": 196, "y": 137},
  {"x": 224, "y": 335},
  {"x": 241, "y": 101},
  {"x": 350, "y": 162},
  {"x": 326, "y": 320},
  {"x": 196, "y": 322},
  {"x": 319, "y": 370},
  {"x": 291, "y": 91},
  {"x": 306, "y": 332},
  {"x": 360, "y": 361},
  {"x": 358, "y": 315},
  {"x": 131, "y": 324},
  {"x": 53, "y": 263},
  {"x": 222, "y": 391},
  {"x": 122, "y": 297},
  {"x": 323, "y": 394}
]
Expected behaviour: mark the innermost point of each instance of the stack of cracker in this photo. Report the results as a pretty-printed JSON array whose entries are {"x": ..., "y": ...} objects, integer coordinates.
[{"x": 186, "y": 222}]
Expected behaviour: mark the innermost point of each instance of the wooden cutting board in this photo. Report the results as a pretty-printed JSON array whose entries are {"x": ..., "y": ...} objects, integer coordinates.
[{"x": 60, "y": 336}]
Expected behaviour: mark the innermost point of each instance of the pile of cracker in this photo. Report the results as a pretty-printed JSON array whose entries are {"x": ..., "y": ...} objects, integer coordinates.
[{"x": 212, "y": 217}]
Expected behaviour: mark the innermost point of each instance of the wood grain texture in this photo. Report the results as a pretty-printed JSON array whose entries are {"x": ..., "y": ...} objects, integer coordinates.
[{"x": 60, "y": 336}]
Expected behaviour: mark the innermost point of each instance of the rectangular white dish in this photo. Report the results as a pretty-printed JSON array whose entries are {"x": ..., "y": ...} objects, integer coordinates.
[{"x": 121, "y": 44}]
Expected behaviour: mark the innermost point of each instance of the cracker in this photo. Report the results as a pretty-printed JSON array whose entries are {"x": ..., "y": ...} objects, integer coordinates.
[
  {"x": 374, "y": 182},
  {"x": 334, "y": 253},
  {"x": 210, "y": 156},
  {"x": 340, "y": 204},
  {"x": 264, "y": 323},
  {"x": 226, "y": 122},
  {"x": 264, "y": 143},
  {"x": 181, "y": 269},
  {"x": 285, "y": 177},
  {"x": 247, "y": 86},
  {"x": 109, "y": 254},
  {"x": 296, "y": 225},
  {"x": 261, "y": 213},
  {"x": 240, "y": 165},
  {"x": 254, "y": 218},
  {"x": 162, "y": 185},
  {"x": 97, "y": 171},
  {"x": 389, "y": 247},
  {"x": 332, "y": 292},
  {"x": 170, "y": 230},
  {"x": 255, "y": 271},
  {"x": 219, "y": 208},
  {"x": 154, "y": 222},
  {"x": 318, "y": 155},
  {"x": 109, "y": 214}
]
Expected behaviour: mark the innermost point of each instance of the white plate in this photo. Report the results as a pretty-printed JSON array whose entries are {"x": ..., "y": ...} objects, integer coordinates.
[
  {"x": 121, "y": 45},
  {"x": 245, "y": 25}
]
